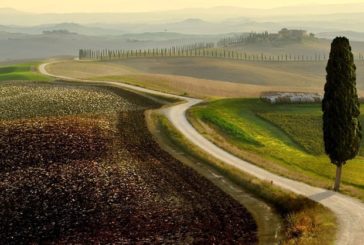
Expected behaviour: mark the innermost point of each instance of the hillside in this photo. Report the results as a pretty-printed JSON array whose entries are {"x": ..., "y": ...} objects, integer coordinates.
[
  {"x": 294, "y": 74},
  {"x": 14, "y": 46},
  {"x": 206, "y": 77}
]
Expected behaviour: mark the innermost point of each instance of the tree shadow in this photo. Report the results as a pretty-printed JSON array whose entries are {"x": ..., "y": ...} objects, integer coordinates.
[{"x": 322, "y": 195}]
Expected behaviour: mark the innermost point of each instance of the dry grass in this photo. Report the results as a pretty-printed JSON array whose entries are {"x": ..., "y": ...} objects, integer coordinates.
[
  {"x": 258, "y": 77},
  {"x": 194, "y": 87},
  {"x": 85, "y": 70},
  {"x": 296, "y": 75},
  {"x": 261, "y": 73}
]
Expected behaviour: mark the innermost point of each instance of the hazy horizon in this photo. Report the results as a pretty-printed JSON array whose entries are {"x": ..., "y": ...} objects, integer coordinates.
[
  {"x": 124, "y": 6},
  {"x": 164, "y": 23}
]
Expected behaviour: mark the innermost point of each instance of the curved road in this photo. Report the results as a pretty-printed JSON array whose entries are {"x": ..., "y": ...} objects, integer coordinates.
[{"x": 349, "y": 211}]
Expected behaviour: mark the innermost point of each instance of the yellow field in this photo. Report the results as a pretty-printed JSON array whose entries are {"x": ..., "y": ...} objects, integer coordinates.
[{"x": 205, "y": 77}]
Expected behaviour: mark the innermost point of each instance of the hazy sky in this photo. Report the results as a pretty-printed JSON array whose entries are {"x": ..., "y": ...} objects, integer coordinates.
[{"x": 42, "y": 6}]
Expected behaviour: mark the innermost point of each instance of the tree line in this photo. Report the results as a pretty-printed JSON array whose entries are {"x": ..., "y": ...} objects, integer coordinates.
[
  {"x": 283, "y": 36},
  {"x": 198, "y": 50},
  {"x": 107, "y": 54}
]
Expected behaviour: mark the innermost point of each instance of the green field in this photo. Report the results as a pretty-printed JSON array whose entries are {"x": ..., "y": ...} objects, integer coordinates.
[
  {"x": 286, "y": 139},
  {"x": 27, "y": 71},
  {"x": 304, "y": 221}
]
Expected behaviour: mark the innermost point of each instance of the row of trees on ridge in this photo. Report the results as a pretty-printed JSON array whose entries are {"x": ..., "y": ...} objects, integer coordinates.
[{"x": 106, "y": 54}]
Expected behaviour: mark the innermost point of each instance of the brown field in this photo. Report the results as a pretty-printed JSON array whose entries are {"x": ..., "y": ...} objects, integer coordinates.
[
  {"x": 206, "y": 77},
  {"x": 79, "y": 138},
  {"x": 100, "y": 178}
]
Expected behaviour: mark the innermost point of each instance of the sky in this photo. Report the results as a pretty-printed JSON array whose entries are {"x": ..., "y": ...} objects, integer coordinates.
[{"x": 68, "y": 6}]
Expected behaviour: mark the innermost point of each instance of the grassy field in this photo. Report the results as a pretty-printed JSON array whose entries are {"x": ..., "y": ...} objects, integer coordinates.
[
  {"x": 205, "y": 77},
  {"x": 285, "y": 139},
  {"x": 27, "y": 71},
  {"x": 78, "y": 165},
  {"x": 302, "y": 221}
]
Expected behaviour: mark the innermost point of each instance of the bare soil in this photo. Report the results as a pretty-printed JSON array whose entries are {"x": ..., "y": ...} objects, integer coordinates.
[{"x": 76, "y": 181}]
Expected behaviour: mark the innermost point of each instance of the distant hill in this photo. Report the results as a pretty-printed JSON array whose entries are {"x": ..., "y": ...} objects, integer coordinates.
[
  {"x": 352, "y": 35},
  {"x": 314, "y": 18},
  {"x": 28, "y": 35},
  {"x": 280, "y": 39},
  {"x": 193, "y": 26},
  {"x": 59, "y": 42},
  {"x": 9, "y": 11},
  {"x": 71, "y": 27},
  {"x": 160, "y": 36}
]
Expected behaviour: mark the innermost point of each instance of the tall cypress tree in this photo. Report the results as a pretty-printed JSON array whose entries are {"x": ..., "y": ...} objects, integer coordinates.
[{"x": 341, "y": 107}]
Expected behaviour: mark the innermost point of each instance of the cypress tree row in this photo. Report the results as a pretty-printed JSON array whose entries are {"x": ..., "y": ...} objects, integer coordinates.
[
  {"x": 341, "y": 107},
  {"x": 193, "y": 50}
]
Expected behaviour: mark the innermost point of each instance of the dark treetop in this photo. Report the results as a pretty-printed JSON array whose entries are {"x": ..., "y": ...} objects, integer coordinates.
[{"x": 341, "y": 107}]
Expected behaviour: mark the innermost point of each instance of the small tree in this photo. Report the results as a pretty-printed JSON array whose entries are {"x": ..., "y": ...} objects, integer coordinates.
[{"x": 341, "y": 107}]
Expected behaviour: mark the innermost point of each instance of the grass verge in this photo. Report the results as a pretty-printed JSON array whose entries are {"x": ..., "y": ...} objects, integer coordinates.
[
  {"x": 24, "y": 72},
  {"x": 304, "y": 221},
  {"x": 287, "y": 140}
]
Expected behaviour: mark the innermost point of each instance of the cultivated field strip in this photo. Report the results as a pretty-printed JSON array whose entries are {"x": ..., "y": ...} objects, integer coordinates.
[
  {"x": 85, "y": 170},
  {"x": 350, "y": 212}
]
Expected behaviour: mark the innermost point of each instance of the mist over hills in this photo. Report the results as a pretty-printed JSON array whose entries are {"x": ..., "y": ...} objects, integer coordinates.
[
  {"x": 223, "y": 19},
  {"x": 71, "y": 27},
  {"x": 197, "y": 26},
  {"x": 14, "y": 17},
  {"x": 30, "y": 35},
  {"x": 216, "y": 20},
  {"x": 357, "y": 36},
  {"x": 15, "y": 46}
]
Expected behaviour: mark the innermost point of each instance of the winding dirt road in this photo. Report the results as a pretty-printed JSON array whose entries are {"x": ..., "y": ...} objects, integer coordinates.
[{"x": 349, "y": 211}]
